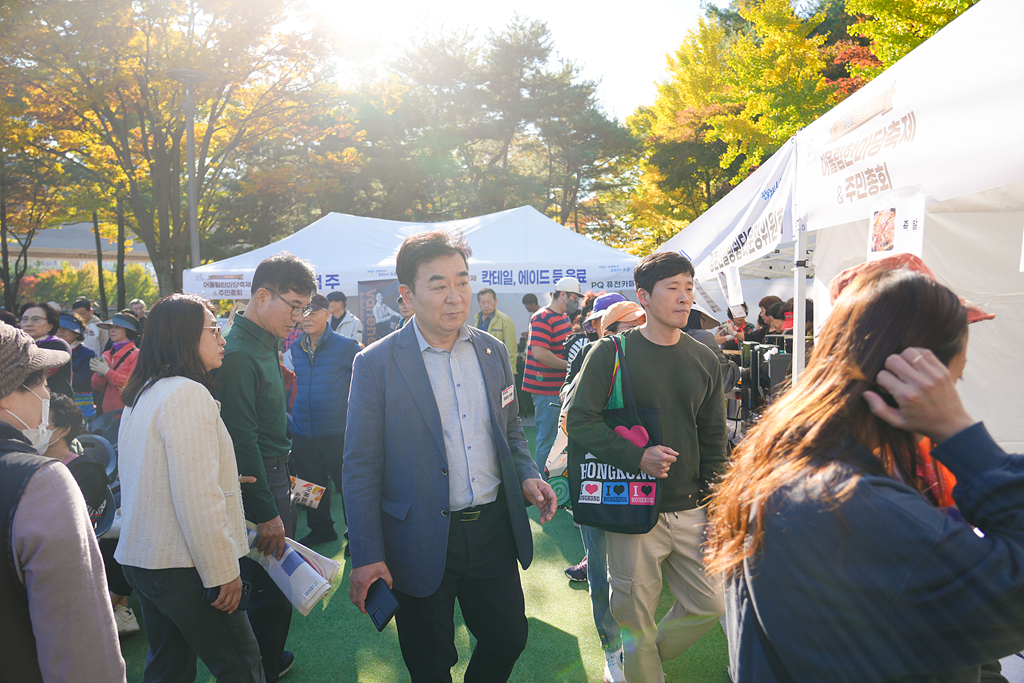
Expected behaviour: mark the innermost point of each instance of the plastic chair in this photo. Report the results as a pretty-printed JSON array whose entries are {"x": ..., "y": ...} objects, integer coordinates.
[
  {"x": 109, "y": 512},
  {"x": 107, "y": 425},
  {"x": 101, "y": 450}
]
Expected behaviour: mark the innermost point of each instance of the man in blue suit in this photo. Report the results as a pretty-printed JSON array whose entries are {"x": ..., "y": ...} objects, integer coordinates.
[{"x": 438, "y": 473}]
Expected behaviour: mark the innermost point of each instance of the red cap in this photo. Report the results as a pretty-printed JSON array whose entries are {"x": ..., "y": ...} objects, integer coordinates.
[{"x": 895, "y": 262}]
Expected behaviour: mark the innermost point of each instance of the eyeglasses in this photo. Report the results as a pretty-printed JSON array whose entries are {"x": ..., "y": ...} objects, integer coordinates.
[
  {"x": 218, "y": 330},
  {"x": 35, "y": 320},
  {"x": 296, "y": 310},
  {"x": 310, "y": 309}
]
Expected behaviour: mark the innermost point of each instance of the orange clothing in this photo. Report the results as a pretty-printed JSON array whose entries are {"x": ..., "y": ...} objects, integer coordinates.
[{"x": 113, "y": 383}]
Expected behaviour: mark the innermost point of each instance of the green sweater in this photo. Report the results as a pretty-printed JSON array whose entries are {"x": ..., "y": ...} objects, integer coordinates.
[
  {"x": 685, "y": 382},
  {"x": 253, "y": 403}
]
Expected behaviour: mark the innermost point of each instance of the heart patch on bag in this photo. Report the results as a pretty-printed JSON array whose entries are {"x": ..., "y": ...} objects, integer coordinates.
[{"x": 637, "y": 435}]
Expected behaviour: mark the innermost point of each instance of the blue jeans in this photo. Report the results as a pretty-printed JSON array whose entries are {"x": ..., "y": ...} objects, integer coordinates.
[
  {"x": 546, "y": 410},
  {"x": 597, "y": 576},
  {"x": 180, "y": 626}
]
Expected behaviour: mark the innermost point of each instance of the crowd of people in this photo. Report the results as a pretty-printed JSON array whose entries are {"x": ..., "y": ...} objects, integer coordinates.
[{"x": 865, "y": 529}]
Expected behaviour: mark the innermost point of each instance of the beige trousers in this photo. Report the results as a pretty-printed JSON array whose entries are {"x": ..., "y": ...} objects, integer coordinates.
[{"x": 636, "y": 563}]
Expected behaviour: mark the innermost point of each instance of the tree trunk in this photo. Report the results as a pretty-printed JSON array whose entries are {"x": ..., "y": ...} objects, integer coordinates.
[
  {"x": 99, "y": 264},
  {"x": 10, "y": 296},
  {"x": 121, "y": 288}
]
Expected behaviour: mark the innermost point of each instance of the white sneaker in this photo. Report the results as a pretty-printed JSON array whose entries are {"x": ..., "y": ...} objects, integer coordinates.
[
  {"x": 613, "y": 667},
  {"x": 125, "y": 620}
]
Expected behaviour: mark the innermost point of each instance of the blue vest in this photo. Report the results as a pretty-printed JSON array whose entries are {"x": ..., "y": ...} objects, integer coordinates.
[{"x": 321, "y": 404}]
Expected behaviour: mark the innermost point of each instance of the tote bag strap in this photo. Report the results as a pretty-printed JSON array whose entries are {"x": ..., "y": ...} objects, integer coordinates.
[
  {"x": 615, "y": 390},
  {"x": 628, "y": 400}
]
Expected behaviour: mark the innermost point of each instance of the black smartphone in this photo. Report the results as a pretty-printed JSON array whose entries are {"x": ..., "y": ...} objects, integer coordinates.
[
  {"x": 381, "y": 604},
  {"x": 210, "y": 595}
]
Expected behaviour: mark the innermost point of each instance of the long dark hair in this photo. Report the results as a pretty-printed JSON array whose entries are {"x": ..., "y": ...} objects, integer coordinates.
[
  {"x": 802, "y": 435},
  {"x": 173, "y": 330}
]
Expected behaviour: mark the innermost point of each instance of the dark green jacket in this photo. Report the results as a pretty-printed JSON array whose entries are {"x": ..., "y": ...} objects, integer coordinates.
[{"x": 253, "y": 405}]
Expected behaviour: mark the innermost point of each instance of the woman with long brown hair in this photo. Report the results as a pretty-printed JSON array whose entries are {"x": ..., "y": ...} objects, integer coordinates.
[{"x": 837, "y": 567}]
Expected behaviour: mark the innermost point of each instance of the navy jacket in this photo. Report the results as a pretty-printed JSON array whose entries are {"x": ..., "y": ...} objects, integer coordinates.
[
  {"x": 395, "y": 475},
  {"x": 81, "y": 373},
  {"x": 882, "y": 586},
  {"x": 321, "y": 402}
]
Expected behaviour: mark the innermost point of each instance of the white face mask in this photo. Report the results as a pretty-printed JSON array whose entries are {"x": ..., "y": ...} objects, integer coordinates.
[{"x": 40, "y": 436}]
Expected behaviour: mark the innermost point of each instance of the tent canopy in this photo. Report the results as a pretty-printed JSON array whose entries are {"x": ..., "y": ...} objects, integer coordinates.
[
  {"x": 518, "y": 250},
  {"x": 941, "y": 125}
]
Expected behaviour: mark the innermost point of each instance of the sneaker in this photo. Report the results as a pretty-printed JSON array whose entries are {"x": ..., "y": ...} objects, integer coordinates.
[
  {"x": 613, "y": 667},
  {"x": 318, "y": 537},
  {"x": 287, "y": 659},
  {"x": 125, "y": 620},
  {"x": 578, "y": 572}
]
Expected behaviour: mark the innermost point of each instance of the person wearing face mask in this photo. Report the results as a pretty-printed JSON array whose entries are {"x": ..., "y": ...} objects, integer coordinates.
[
  {"x": 182, "y": 525},
  {"x": 115, "y": 366},
  {"x": 545, "y": 364},
  {"x": 51, "y": 572}
]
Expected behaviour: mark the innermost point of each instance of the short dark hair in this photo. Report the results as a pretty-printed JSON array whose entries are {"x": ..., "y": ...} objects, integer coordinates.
[
  {"x": 777, "y": 310},
  {"x": 284, "y": 272},
  {"x": 34, "y": 379},
  {"x": 767, "y": 302},
  {"x": 486, "y": 290},
  {"x": 530, "y": 299},
  {"x": 427, "y": 246},
  {"x": 8, "y": 317},
  {"x": 175, "y": 326},
  {"x": 82, "y": 303},
  {"x": 64, "y": 413},
  {"x": 661, "y": 265},
  {"x": 337, "y": 296},
  {"x": 52, "y": 316}
]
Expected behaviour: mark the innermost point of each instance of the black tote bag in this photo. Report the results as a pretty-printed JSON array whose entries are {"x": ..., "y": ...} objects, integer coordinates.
[{"x": 602, "y": 495}]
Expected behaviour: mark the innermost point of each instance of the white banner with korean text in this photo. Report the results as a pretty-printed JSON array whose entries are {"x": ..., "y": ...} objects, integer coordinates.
[{"x": 943, "y": 118}]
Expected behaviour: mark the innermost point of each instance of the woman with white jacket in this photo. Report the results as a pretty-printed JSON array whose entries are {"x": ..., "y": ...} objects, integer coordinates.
[{"x": 183, "y": 530}]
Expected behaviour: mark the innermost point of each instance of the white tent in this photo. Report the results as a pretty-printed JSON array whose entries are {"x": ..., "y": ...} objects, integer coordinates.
[
  {"x": 942, "y": 129},
  {"x": 514, "y": 252}
]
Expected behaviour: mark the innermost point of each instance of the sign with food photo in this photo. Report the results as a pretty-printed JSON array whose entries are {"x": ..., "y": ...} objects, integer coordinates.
[{"x": 897, "y": 224}]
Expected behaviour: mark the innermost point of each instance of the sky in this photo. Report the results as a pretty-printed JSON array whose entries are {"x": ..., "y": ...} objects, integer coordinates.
[{"x": 622, "y": 45}]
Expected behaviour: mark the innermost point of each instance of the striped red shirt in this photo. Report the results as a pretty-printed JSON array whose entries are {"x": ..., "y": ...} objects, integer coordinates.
[{"x": 548, "y": 330}]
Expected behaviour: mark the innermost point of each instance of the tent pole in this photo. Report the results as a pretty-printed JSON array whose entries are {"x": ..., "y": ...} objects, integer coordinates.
[{"x": 799, "y": 300}]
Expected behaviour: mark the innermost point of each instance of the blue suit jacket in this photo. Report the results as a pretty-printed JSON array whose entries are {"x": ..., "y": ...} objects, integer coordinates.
[{"x": 395, "y": 476}]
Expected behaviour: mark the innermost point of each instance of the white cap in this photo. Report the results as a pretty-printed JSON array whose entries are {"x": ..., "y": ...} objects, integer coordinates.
[{"x": 569, "y": 284}]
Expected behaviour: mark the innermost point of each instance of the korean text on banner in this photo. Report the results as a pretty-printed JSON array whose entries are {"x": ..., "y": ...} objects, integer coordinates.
[
  {"x": 940, "y": 119},
  {"x": 766, "y": 221}
]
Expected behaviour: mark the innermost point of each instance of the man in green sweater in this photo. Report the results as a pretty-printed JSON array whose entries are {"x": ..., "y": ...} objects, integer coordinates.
[
  {"x": 682, "y": 378},
  {"x": 250, "y": 388}
]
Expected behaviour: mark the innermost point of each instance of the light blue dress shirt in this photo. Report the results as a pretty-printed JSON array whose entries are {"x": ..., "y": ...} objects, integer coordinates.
[{"x": 461, "y": 396}]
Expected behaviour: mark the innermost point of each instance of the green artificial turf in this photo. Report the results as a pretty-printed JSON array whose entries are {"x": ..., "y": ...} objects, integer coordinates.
[{"x": 337, "y": 643}]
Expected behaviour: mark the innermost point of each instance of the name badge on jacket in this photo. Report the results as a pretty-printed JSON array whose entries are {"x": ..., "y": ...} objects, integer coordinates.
[{"x": 508, "y": 394}]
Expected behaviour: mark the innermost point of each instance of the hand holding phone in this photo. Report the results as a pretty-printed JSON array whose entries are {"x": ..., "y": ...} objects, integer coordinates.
[
  {"x": 381, "y": 604},
  {"x": 230, "y": 597}
]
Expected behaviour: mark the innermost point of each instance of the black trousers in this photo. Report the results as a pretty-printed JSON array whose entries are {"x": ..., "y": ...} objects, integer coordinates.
[
  {"x": 317, "y": 460},
  {"x": 270, "y": 612},
  {"x": 180, "y": 626},
  {"x": 481, "y": 571}
]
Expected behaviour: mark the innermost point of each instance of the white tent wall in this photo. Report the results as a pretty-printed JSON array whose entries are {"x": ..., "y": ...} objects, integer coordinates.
[
  {"x": 977, "y": 254},
  {"x": 514, "y": 252}
]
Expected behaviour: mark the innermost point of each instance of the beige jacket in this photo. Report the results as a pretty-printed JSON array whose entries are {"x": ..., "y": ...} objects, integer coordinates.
[{"x": 181, "y": 504}]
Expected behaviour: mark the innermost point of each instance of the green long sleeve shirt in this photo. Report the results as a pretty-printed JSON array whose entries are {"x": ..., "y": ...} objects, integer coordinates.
[
  {"x": 253, "y": 405},
  {"x": 684, "y": 381}
]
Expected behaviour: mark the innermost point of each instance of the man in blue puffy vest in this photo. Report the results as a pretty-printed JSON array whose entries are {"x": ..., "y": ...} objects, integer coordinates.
[{"x": 323, "y": 371}]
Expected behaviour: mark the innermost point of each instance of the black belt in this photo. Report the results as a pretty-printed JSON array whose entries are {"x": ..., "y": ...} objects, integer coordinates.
[
  {"x": 270, "y": 463},
  {"x": 471, "y": 514}
]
